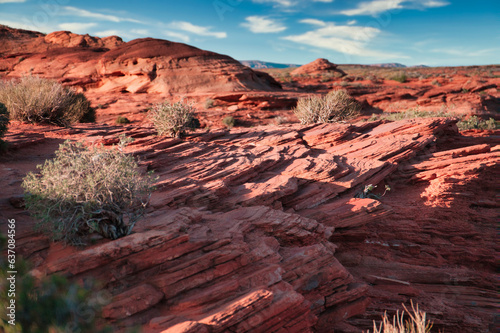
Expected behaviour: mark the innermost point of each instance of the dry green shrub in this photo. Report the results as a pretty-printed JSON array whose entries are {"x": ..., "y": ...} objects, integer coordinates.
[
  {"x": 122, "y": 120},
  {"x": 4, "y": 122},
  {"x": 173, "y": 119},
  {"x": 335, "y": 106},
  {"x": 82, "y": 191},
  {"x": 416, "y": 324},
  {"x": 229, "y": 121},
  {"x": 37, "y": 100}
]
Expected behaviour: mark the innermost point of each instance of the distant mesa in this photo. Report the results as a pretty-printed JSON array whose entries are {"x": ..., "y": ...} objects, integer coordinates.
[
  {"x": 390, "y": 65},
  {"x": 257, "y": 64},
  {"x": 109, "y": 64},
  {"x": 318, "y": 66}
]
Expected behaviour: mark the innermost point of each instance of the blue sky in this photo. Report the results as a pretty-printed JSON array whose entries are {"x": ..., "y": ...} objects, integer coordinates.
[{"x": 412, "y": 32}]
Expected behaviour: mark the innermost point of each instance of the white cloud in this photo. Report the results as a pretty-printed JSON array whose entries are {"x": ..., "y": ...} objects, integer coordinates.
[
  {"x": 262, "y": 25},
  {"x": 376, "y": 7},
  {"x": 77, "y": 27},
  {"x": 313, "y": 22},
  {"x": 352, "y": 22},
  {"x": 196, "y": 29},
  {"x": 12, "y": 1},
  {"x": 345, "y": 39},
  {"x": 284, "y": 3},
  {"x": 176, "y": 36},
  {"x": 85, "y": 13},
  {"x": 107, "y": 33},
  {"x": 435, "y": 3},
  {"x": 325, "y": 1},
  {"x": 143, "y": 32}
]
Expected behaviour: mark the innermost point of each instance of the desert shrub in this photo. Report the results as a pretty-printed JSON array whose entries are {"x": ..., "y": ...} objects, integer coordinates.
[
  {"x": 335, "y": 106},
  {"x": 4, "y": 120},
  {"x": 37, "y": 100},
  {"x": 173, "y": 119},
  {"x": 400, "y": 77},
  {"x": 436, "y": 83},
  {"x": 474, "y": 122},
  {"x": 83, "y": 190},
  {"x": 209, "y": 103},
  {"x": 229, "y": 121},
  {"x": 416, "y": 324},
  {"x": 412, "y": 113},
  {"x": 279, "y": 120},
  {"x": 122, "y": 120}
]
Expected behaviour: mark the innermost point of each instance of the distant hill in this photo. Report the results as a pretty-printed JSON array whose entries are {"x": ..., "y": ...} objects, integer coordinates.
[
  {"x": 257, "y": 64},
  {"x": 390, "y": 65}
]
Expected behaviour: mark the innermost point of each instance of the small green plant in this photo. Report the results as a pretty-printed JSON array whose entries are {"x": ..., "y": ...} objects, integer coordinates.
[
  {"x": 4, "y": 122},
  {"x": 335, "y": 106},
  {"x": 83, "y": 191},
  {"x": 416, "y": 324},
  {"x": 279, "y": 120},
  {"x": 209, "y": 103},
  {"x": 37, "y": 100},
  {"x": 436, "y": 83},
  {"x": 367, "y": 192},
  {"x": 122, "y": 120},
  {"x": 173, "y": 119},
  {"x": 229, "y": 121},
  {"x": 400, "y": 77},
  {"x": 465, "y": 91},
  {"x": 474, "y": 122}
]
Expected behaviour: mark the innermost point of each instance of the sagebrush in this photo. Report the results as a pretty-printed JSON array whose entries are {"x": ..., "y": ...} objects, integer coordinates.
[
  {"x": 174, "y": 119},
  {"x": 229, "y": 121},
  {"x": 335, "y": 106},
  {"x": 37, "y": 100},
  {"x": 86, "y": 190}
]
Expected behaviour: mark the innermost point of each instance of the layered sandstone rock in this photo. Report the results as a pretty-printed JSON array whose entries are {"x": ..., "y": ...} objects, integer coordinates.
[
  {"x": 258, "y": 230},
  {"x": 318, "y": 67}
]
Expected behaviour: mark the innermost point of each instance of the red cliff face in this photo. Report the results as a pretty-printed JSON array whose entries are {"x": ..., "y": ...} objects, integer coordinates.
[{"x": 318, "y": 66}]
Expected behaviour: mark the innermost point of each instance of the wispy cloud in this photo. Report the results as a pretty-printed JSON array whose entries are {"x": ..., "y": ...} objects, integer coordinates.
[
  {"x": 284, "y": 3},
  {"x": 12, "y": 1},
  {"x": 462, "y": 52},
  {"x": 77, "y": 27},
  {"x": 196, "y": 29},
  {"x": 376, "y": 7},
  {"x": 107, "y": 33},
  {"x": 347, "y": 39},
  {"x": 263, "y": 25},
  {"x": 176, "y": 36},
  {"x": 98, "y": 16}
]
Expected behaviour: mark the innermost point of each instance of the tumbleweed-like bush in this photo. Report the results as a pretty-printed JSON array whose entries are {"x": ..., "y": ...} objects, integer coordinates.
[
  {"x": 335, "y": 106},
  {"x": 36, "y": 100},
  {"x": 83, "y": 190},
  {"x": 173, "y": 119}
]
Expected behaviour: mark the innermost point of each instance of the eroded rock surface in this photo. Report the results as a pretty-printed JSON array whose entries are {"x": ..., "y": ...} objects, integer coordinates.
[{"x": 258, "y": 230}]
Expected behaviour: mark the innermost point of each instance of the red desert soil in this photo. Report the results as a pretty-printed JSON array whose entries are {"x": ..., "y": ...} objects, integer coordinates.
[{"x": 257, "y": 229}]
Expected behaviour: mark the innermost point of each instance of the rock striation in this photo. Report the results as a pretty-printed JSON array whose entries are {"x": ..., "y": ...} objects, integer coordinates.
[
  {"x": 259, "y": 230},
  {"x": 318, "y": 67}
]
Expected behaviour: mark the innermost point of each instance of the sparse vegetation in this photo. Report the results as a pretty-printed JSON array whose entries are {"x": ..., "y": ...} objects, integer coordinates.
[
  {"x": 209, "y": 103},
  {"x": 336, "y": 106},
  {"x": 279, "y": 120},
  {"x": 416, "y": 324},
  {"x": 400, "y": 77},
  {"x": 411, "y": 114},
  {"x": 4, "y": 122},
  {"x": 83, "y": 191},
  {"x": 51, "y": 304},
  {"x": 229, "y": 121},
  {"x": 436, "y": 83},
  {"x": 474, "y": 122},
  {"x": 37, "y": 100},
  {"x": 174, "y": 119},
  {"x": 122, "y": 120}
]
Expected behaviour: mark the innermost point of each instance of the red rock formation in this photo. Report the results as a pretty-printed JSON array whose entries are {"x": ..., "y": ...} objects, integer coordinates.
[
  {"x": 110, "y": 66},
  {"x": 258, "y": 230},
  {"x": 318, "y": 67}
]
